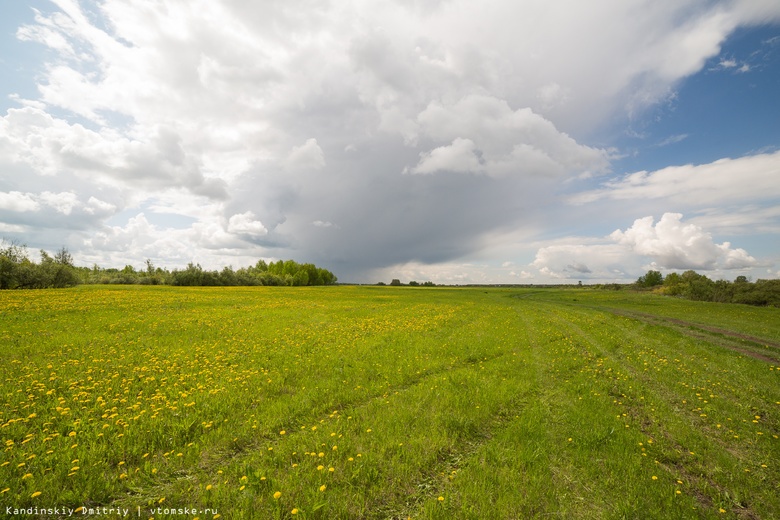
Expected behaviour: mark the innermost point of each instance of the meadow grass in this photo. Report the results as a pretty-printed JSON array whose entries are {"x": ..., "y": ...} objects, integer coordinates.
[{"x": 385, "y": 402}]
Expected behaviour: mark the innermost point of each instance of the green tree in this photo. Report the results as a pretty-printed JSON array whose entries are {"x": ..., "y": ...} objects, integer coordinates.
[
  {"x": 63, "y": 257},
  {"x": 650, "y": 279},
  {"x": 698, "y": 286},
  {"x": 11, "y": 257}
]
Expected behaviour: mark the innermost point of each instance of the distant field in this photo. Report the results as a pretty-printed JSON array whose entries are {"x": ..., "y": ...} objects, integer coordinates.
[{"x": 385, "y": 402}]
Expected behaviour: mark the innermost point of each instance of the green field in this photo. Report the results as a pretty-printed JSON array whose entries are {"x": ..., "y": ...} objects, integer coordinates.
[{"x": 385, "y": 402}]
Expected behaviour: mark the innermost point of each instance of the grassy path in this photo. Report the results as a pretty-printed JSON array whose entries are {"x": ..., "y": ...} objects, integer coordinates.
[{"x": 364, "y": 402}]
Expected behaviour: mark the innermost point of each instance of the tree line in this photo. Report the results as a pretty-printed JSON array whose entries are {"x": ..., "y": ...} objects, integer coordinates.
[
  {"x": 18, "y": 271},
  {"x": 695, "y": 286}
]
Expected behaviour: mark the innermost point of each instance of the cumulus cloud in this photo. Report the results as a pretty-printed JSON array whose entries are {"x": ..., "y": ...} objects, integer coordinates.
[
  {"x": 487, "y": 136},
  {"x": 668, "y": 244},
  {"x": 674, "y": 245},
  {"x": 246, "y": 224},
  {"x": 52, "y": 146},
  {"x": 18, "y": 202},
  {"x": 62, "y": 202}
]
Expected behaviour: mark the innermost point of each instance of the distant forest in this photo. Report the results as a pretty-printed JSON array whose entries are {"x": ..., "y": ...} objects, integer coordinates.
[{"x": 18, "y": 271}]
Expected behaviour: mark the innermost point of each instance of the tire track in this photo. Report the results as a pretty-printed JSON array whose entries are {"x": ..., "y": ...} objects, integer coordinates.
[{"x": 736, "y": 341}]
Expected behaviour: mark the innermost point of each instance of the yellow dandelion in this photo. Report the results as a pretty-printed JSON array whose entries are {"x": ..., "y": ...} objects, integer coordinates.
[
  {"x": 294, "y": 511},
  {"x": 277, "y": 495},
  {"x": 323, "y": 487},
  {"x": 654, "y": 477},
  {"x": 6, "y": 490},
  {"x": 208, "y": 488},
  {"x": 441, "y": 499},
  {"x": 282, "y": 432},
  {"x": 36, "y": 494}
]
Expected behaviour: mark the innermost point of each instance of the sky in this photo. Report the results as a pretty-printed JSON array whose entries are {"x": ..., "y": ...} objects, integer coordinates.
[{"x": 429, "y": 140}]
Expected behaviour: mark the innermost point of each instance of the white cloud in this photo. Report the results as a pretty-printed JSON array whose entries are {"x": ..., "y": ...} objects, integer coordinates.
[
  {"x": 11, "y": 228},
  {"x": 745, "y": 219},
  {"x": 668, "y": 244},
  {"x": 509, "y": 142},
  {"x": 673, "y": 139},
  {"x": 577, "y": 260},
  {"x": 750, "y": 178},
  {"x": 457, "y": 157},
  {"x": 246, "y": 224},
  {"x": 308, "y": 156},
  {"x": 53, "y": 146},
  {"x": 97, "y": 206},
  {"x": 205, "y": 241},
  {"x": 674, "y": 245},
  {"x": 323, "y": 224},
  {"x": 46, "y": 34},
  {"x": 62, "y": 202},
  {"x": 18, "y": 202}
]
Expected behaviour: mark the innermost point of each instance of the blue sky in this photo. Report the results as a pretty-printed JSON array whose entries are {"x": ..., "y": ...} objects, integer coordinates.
[
  {"x": 722, "y": 110},
  {"x": 405, "y": 139}
]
